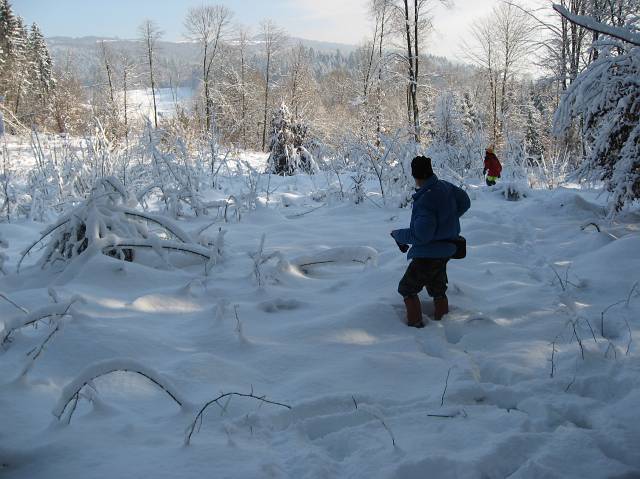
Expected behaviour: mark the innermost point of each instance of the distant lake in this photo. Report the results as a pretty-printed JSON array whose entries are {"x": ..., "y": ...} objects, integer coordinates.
[{"x": 140, "y": 102}]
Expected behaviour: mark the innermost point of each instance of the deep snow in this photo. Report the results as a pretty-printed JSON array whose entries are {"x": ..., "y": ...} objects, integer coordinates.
[{"x": 329, "y": 340}]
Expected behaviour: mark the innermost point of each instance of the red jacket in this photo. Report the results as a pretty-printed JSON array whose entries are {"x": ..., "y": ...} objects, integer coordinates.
[{"x": 492, "y": 165}]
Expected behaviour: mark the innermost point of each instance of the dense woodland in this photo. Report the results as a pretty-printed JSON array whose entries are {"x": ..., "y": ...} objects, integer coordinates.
[{"x": 555, "y": 89}]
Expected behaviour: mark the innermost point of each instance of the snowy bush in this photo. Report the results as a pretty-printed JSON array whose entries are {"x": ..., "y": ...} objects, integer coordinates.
[
  {"x": 173, "y": 172},
  {"x": 104, "y": 223},
  {"x": 260, "y": 259},
  {"x": 514, "y": 190}
]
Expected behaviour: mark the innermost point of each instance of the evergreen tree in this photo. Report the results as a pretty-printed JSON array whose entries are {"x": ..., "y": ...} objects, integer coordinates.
[
  {"x": 19, "y": 70},
  {"x": 288, "y": 152},
  {"x": 41, "y": 67},
  {"x": 282, "y": 139},
  {"x": 8, "y": 27}
]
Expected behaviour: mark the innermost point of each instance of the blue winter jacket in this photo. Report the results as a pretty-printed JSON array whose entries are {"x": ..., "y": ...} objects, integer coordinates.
[{"x": 437, "y": 207}]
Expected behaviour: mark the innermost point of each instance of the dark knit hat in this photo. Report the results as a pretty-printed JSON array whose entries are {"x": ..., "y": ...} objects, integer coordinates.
[{"x": 421, "y": 167}]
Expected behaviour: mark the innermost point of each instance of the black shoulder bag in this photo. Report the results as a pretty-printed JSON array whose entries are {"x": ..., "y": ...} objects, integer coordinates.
[{"x": 460, "y": 243}]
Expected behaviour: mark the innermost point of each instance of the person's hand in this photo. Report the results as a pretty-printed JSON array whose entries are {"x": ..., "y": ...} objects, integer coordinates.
[{"x": 403, "y": 247}]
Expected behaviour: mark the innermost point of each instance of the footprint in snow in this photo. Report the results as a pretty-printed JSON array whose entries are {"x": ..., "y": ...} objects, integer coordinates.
[{"x": 279, "y": 304}]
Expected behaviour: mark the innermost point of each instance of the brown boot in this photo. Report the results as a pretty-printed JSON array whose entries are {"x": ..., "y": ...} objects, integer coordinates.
[
  {"x": 441, "y": 307},
  {"x": 414, "y": 312}
]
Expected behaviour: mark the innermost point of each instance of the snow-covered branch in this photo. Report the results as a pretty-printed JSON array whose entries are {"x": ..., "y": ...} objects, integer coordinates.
[
  {"x": 593, "y": 25},
  {"x": 71, "y": 392}
]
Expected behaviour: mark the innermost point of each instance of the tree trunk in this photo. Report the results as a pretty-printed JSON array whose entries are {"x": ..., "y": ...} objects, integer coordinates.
[
  {"x": 266, "y": 102},
  {"x": 153, "y": 84}
]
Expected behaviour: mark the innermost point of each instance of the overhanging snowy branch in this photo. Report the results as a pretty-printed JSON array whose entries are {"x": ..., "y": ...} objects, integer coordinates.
[
  {"x": 595, "y": 26},
  {"x": 71, "y": 392},
  {"x": 50, "y": 311}
]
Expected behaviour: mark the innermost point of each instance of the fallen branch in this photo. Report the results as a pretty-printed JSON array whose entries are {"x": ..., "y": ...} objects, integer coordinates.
[
  {"x": 16, "y": 305},
  {"x": 192, "y": 427},
  {"x": 461, "y": 412},
  {"x": 298, "y": 215},
  {"x": 354, "y": 254},
  {"x": 181, "y": 247}
]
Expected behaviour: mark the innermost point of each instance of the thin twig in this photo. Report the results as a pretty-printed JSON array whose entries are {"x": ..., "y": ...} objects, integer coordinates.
[
  {"x": 590, "y": 224},
  {"x": 626, "y": 321},
  {"x": 559, "y": 278},
  {"x": 591, "y": 329},
  {"x": 573, "y": 380},
  {"x": 575, "y": 333},
  {"x": 635, "y": 285},
  {"x": 446, "y": 384},
  {"x": 603, "y": 312},
  {"x": 38, "y": 350}
]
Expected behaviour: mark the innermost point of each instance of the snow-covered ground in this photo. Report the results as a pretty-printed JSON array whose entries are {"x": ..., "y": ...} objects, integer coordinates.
[{"x": 468, "y": 397}]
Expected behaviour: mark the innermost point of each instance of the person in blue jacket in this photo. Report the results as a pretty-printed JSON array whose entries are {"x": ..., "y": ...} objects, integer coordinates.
[{"x": 435, "y": 219}]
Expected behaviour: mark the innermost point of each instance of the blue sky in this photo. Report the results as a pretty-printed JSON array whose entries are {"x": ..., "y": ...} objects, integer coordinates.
[{"x": 342, "y": 21}]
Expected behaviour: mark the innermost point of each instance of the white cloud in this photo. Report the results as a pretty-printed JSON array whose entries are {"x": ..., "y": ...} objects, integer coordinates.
[
  {"x": 348, "y": 21},
  {"x": 344, "y": 21}
]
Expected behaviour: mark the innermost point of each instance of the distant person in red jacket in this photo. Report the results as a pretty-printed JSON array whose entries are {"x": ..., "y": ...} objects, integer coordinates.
[{"x": 492, "y": 166}]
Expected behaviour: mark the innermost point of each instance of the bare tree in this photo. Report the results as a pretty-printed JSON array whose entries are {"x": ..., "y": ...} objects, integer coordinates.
[
  {"x": 208, "y": 25},
  {"x": 107, "y": 61},
  {"x": 128, "y": 72},
  {"x": 382, "y": 14},
  {"x": 149, "y": 36},
  {"x": 273, "y": 38},
  {"x": 243, "y": 44},
  {"x": 412, "y": 21},
  {"x": 502, "y": 42},
  {"x": 300, "y": 78}
]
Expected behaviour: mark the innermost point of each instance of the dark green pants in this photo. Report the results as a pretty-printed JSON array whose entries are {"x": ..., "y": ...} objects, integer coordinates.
[{"x": 430, "y": 273}]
